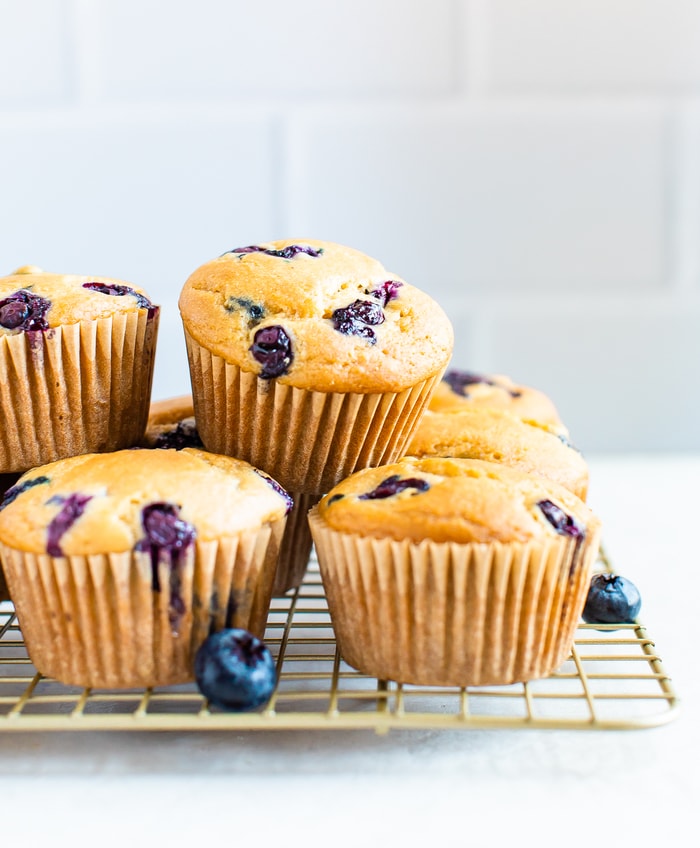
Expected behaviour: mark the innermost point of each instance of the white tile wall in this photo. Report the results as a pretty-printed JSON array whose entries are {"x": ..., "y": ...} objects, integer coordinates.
[
  {"x": 606, "y": 44},
  {"x": 534, "y": 164},
  {"x": 35, "y": 53},
  {"x": 285, "y": 50}
]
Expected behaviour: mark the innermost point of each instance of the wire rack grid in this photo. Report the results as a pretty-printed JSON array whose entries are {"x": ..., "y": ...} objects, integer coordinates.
[{"x": 613, "y": 679}]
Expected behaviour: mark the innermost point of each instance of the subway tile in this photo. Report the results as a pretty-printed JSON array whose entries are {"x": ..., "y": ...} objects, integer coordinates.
[
  {"x": 623, "y": 379},
  {"x": 623, "y": 44},
  {"x": 147, "y": 203},
  {"x": 272, "y": 48},
  {"x": 491, "y": 201},
  {"x": 35, "y": 61}
]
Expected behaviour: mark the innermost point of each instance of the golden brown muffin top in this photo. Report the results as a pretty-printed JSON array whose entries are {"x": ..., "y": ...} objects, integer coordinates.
[
  {"x": 454, "y": 500},
  {"x": 316, "y": 315},
  {"x": 498, "y": 436},
  {"x": 459, "y": 389},
  {"x": 32, "y": 299},
  {"x": 171, "y": 424},
  {"x": 105, "y": 503}
]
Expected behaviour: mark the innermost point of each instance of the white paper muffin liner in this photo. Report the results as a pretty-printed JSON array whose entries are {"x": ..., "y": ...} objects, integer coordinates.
[
  {"x": 307, "y": 440},
  {"x": 450, "y": 614},
  {"x": 97, "y": 620},
  {"x": 74, "y": 389}
]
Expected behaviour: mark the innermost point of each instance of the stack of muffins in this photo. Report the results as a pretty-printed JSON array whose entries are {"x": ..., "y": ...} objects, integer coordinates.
[{"x": 313, "y": 371}]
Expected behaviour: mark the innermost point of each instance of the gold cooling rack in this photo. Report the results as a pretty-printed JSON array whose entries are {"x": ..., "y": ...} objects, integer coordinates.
[{"x": 613, "y": 679}]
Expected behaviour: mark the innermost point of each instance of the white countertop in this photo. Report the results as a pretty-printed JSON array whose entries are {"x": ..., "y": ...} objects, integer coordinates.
[{"x": 442, "y": 787}]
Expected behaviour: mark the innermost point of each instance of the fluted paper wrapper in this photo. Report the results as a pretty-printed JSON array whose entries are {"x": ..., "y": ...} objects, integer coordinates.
[
  {"x": 296, "y": 545},
  {"x": 97, "y": 620},
  {"x": 307, "y": 440},
  {"x": 74, "y": 389},
  {"x": 450, "y": 614}
]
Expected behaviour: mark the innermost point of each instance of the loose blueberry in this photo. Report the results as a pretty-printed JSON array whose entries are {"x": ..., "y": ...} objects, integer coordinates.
[
  {"x": 120, "y": 291},
  {"x": 235, "y": 670},
  {"x": 564, "y": 524},
  {"x": 393, "y": 485},
  {"x": 288, "y": 252},
  {"x": 184, "y": 435},
  {"x": 272, "y": 348},
  {"x": 14, "y": 492},
  {"x": 24, "y": 311},
  {"x": 387, "y": 291},
  {"x": 72, "y": 507},
  {"x": 283, "y": 493},
  {"x": 612, "y": 599}
]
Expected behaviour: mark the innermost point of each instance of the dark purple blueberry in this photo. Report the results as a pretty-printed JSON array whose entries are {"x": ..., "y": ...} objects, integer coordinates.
[
  {"x": 23, "y": 310},
  {"x": 564, "y": 524},
  {"x": 387, "y": 291},
  {"x": 119, "y": 291},
  {"x": 184, "y": 435},
  {"x": 358, "y": 318},
  {"x": 272, "y": 348},
  {"x": 334, "y": 499},
  {"x": 612, "y": 599},
  {"x": 166, "y": 539},
  {"x": 73, "y": 506},
  {"x": 255, "y": 311},
  {"x": 235, "y": 671},
  {"x": 165, "y": 529},
  {"x": 14, "y": 492},
  {"x": 393, "y": 485},
  {"x": 288, "y": 252},
  {"x": 459, "y": 380},
  {"x": 275, "y": 486}
]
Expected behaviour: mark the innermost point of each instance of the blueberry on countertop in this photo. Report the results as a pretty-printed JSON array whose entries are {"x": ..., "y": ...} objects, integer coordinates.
[
  {"x": 272, "y": 348},
  {"x": 612, "y": 599},
  {"x": 235, "y": 670}
]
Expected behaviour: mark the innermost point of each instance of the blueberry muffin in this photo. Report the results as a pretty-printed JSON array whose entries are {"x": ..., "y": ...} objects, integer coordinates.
[
  {"x": 458, "y": 389},
  {"x": 454, "y": 572},
  {"x": 6, "y": 480},
  {"x": 309, "y": 359},
  {"x": 171, "y": 424},
  {"x": 76, "y": 366},
  {"x": 495, "y": 435},
  {"x": 120, "y": 564}
]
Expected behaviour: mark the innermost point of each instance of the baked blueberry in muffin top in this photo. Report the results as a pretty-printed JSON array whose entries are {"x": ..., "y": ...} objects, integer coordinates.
[{"x": 315, "y": 315}]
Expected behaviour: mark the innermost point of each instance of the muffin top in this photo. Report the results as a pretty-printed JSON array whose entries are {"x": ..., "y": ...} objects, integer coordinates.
[
  {"x": 458, "y": 389},
  {"x": 316, "y": 315},
  {"x": 31, "y": 300},
  {"x": 115, "y": 502},
  {"x": 171, "y": 424},
  {"x": 454, "y": 500},
  {"x": 476, "y": 432}
]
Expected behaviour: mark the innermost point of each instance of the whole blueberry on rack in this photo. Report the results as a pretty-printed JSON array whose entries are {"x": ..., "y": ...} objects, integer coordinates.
[
  {"x": 612, "y": 599},
  {"x": 235, "y": 670}
]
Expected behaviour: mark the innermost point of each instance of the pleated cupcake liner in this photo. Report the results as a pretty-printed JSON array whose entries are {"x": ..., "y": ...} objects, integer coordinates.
[
  {"x": 98, "y": 621},
  {"x": 307, "y": 440},
  {"x": 295, "y": 549},
  {"x": 450, "y": 614},
  {"x": 74, "y": 389}
]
